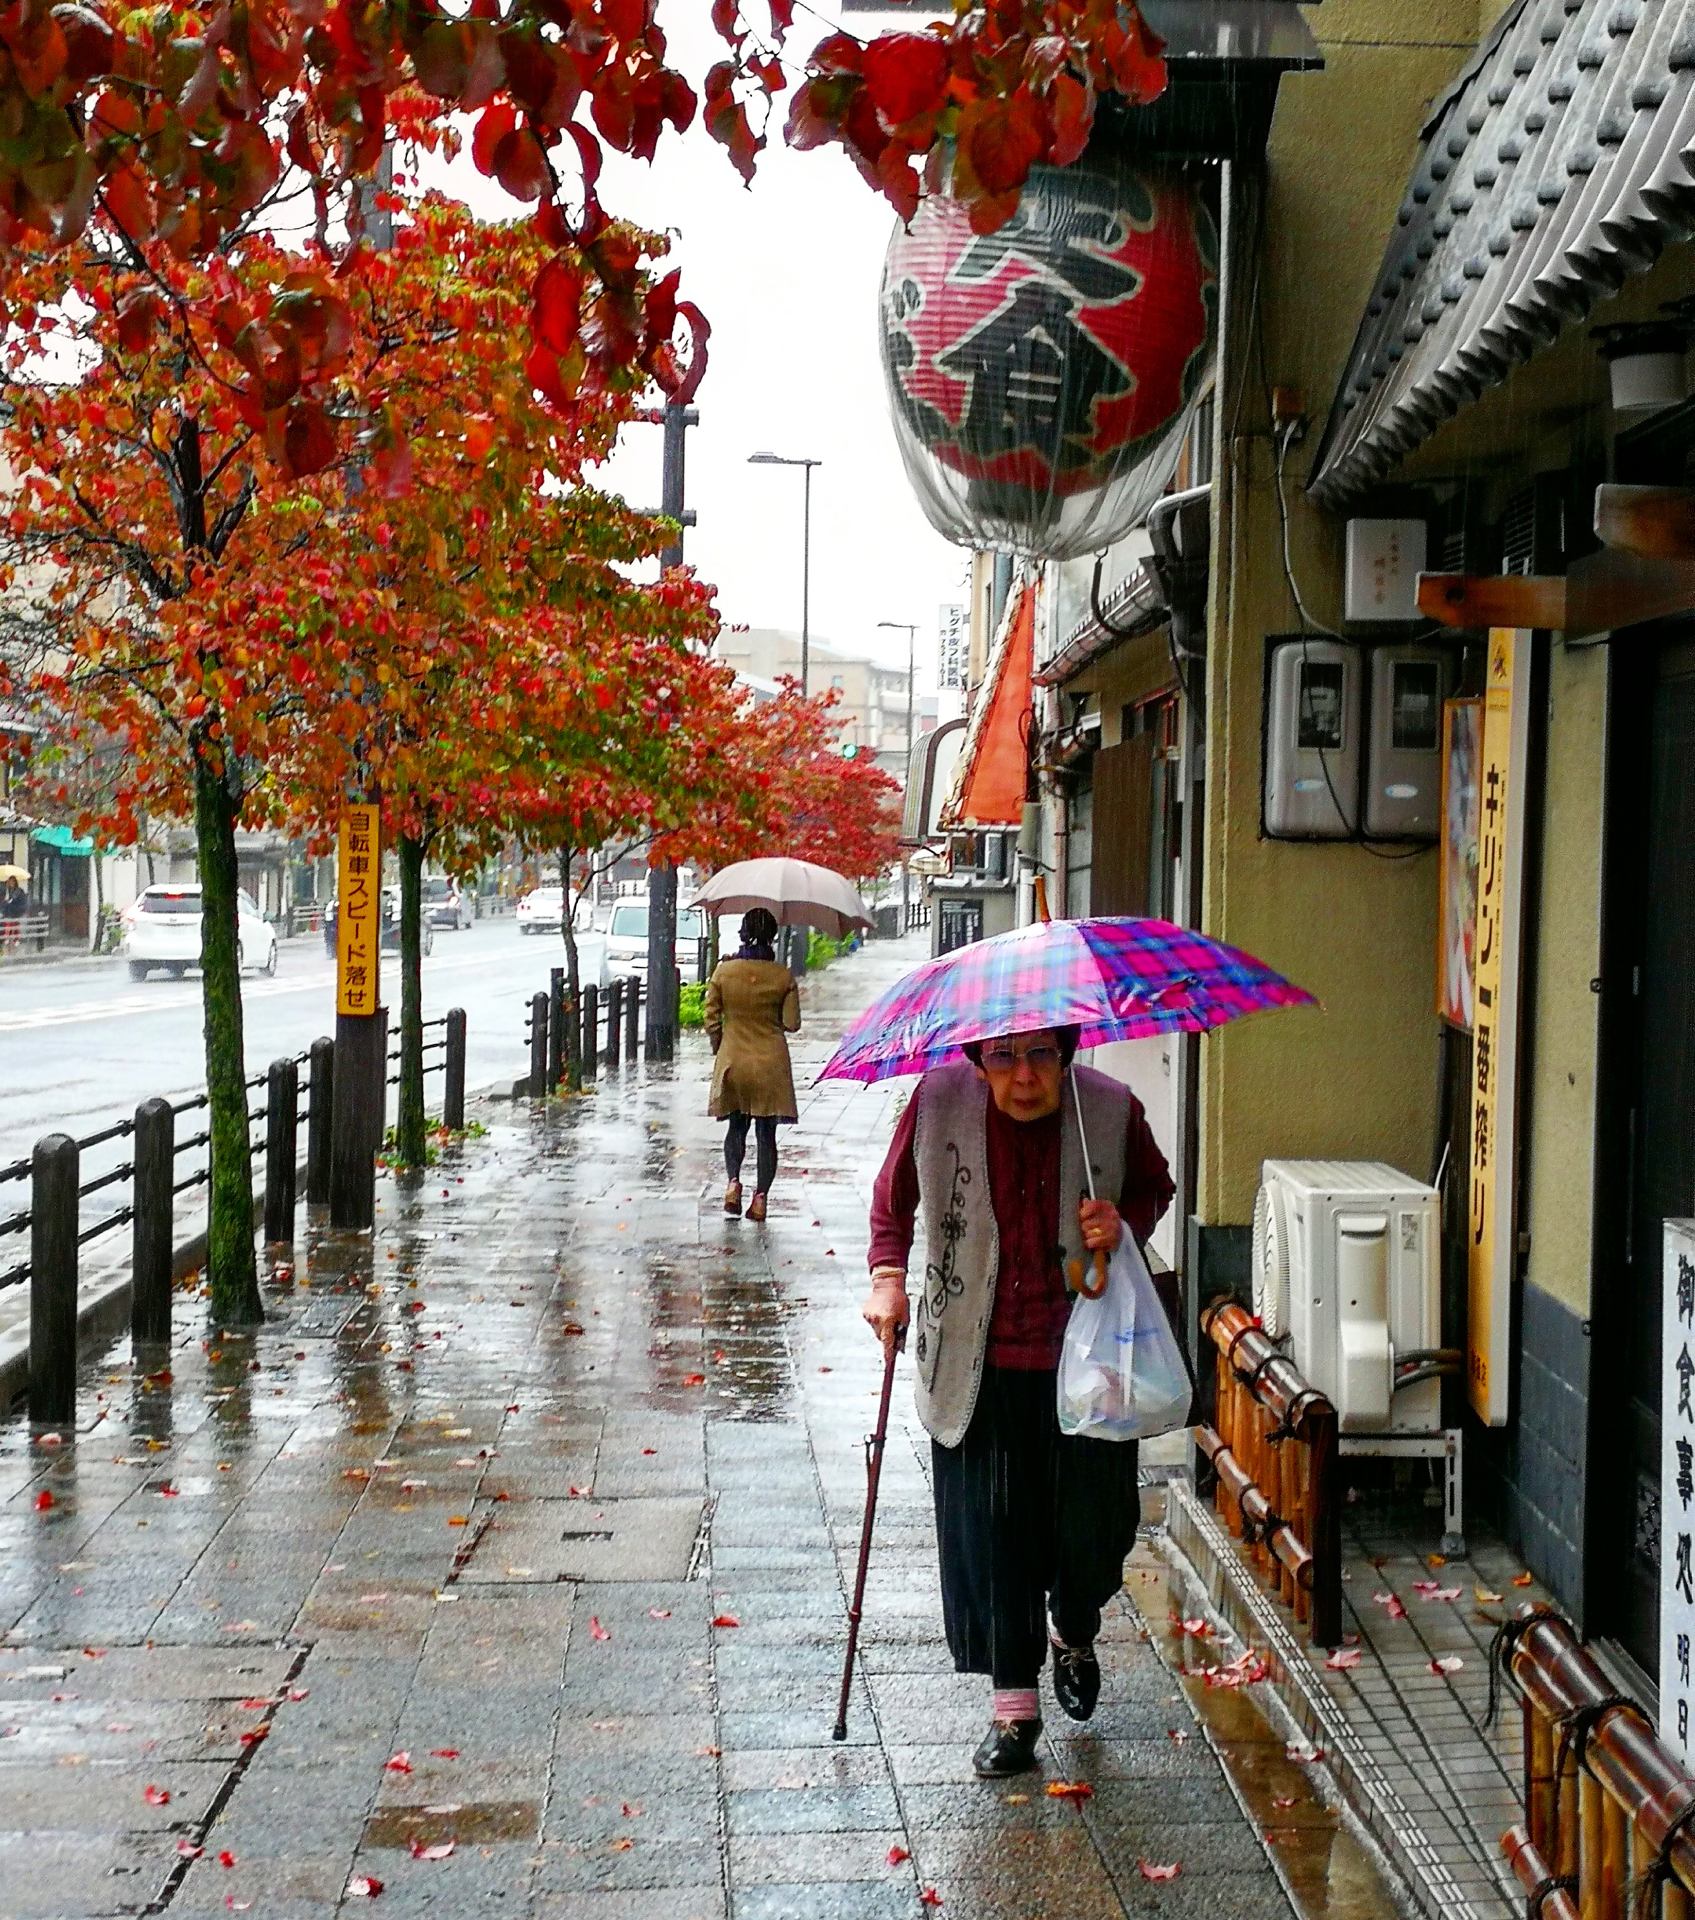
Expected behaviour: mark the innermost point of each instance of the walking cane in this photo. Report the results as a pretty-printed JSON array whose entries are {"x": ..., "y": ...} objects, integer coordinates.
[{"x": 873, "y": 1473}]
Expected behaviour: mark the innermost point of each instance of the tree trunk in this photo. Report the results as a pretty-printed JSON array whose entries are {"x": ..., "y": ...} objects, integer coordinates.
[
  {"x": 573, "y": 989},
  {"x": 409, "y": 1143},
  {"x": 96, "y": 861},
  {"x": 231, "y": 1267}
]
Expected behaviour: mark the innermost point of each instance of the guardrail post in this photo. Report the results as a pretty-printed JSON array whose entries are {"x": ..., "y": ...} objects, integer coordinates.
[
  {"x": 153, "y": 1226},
  {"x": 538, "y": 1045},
  {"x": 453, "y": 1081},
  {"x": 632, "y": 1015},
  {"x": 282, "y": 1122},
  {"x": 320, "y": 1102},
  {"x": 614, "y": 1022},
  {"x": 53, "y": 1281},
  {"x": 360, "y": 1096},
  {"x": 555, "y": 1028},
  {"x": 589, "y": 1052}
]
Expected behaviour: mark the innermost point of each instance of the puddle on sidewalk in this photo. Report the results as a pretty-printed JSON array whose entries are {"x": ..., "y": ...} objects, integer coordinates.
[
  {"x": 1330, "y": 1871},
  {"x": 477, "y": 1823}
]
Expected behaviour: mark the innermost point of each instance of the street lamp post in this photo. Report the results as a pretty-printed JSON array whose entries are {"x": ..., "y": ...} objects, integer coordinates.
[
  {"x": 910, "y": 628},
  {"x": 807, "y": 464}
]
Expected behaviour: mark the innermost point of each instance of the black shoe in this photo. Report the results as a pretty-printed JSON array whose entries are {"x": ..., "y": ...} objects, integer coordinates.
[
  {"x": 1076, "y": 1680},
  {"x": 1008, "y": 1747}
]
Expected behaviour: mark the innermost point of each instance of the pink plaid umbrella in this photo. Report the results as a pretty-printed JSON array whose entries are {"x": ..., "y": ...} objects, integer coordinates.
[{"x": 1115, "y": 979}]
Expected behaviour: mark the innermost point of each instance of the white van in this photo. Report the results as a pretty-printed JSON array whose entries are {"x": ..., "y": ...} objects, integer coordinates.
[{"x": 626, "y": 938}]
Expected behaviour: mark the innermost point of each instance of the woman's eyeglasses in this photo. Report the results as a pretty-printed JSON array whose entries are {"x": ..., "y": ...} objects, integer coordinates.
[{"x": 1005, "y": 1059}]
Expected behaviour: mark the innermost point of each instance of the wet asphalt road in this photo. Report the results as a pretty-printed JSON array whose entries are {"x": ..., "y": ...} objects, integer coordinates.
[{"x": 83, "y": 1044}]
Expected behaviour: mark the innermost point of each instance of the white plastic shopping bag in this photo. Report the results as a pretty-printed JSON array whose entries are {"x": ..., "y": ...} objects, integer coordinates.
[{"x": 1121, "y": 1372}]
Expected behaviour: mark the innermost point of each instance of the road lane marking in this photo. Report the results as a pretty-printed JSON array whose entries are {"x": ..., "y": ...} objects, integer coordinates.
[{"x": 146, "y": 1000}]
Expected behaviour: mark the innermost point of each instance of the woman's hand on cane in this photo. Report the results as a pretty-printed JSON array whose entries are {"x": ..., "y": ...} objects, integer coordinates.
[{"x": 886, "y": 1312}]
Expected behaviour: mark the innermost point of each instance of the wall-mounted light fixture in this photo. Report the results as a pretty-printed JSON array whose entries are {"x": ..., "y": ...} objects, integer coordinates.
[{"x": 1647, "y": 362}]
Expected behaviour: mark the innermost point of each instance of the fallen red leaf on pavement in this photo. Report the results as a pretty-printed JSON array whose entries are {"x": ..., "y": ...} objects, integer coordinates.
[
  {"x": 694, "y": 1379},
  {"x": 929, "y": 1898},
  {"x": 235, "y": 1905},
  {"x": 156, "y": 1796},
  {"x": 649, "y": 1452},
  {"x": 298, "y": 1693},
  {"x": 1070, "y": 1790},
  {"x": 437, "y": 1850},
  {"x": 253, "y": 1736},
  {"x": 168, "y": 1492},
  {"x": 897, "y": 1855},
  {"x": 44, "y": 1500},
  {"x": 659, "y": 1613},
  {"x": 622, "y": 1846},
  {"x": 725, "y": 1620},
  {"x": 226, "y": 1858},
  {"x": 1523, "y": 1579},
  {"x": 363, "y": 1887},
  {"x": 1343, "y": 1657},
  {"x": 1283, "y": 1800},
  {"x": 1149, "y": 1871},
  {"x": 1448, "y": 1663},
  {"x": 596, "y": 1630},
  {"x": 189, "y": 1850},
  {"x": 398, "y": 1762},
  {"x": 444, "y": 1753},
  {"x": 628, "y": 1812},
  {"x": 257, "y": 1704},
  {"x": 1302, "y": 1752},
  {"x": 94, "y": 1653},
  {"x": 572, "y": 1329}
]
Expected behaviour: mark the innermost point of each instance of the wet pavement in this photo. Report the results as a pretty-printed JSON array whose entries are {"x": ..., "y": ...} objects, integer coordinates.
[{"x": 503, "y": 1571}]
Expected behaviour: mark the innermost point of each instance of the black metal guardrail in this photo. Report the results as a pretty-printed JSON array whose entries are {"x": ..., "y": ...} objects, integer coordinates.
[
  {"x": 58, "y": 1232},
  {"x": 545, "y": 1027}
]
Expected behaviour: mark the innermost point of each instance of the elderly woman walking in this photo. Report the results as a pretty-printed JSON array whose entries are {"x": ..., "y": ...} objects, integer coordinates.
[
  {"x": 751, "y": 1006},
  {"x": 1032, "y": 1525}
]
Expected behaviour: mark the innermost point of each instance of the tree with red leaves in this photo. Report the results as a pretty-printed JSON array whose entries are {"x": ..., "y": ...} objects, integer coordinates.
[
  {"x": 230, "y": 626},
  {"x": 158, "y": 138}
]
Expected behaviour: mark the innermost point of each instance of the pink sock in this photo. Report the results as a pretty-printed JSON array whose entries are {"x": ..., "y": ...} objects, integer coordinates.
[{"x": 1014, "y": 1703}]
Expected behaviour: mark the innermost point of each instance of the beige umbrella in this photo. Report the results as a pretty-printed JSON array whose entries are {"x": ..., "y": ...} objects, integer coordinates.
[
  {"x": 18, "y": 874},
  {"x": 799, "y": 893}
]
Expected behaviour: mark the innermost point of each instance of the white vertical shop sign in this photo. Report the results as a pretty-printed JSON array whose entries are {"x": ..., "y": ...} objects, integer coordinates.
[
  {"x": 953, "y": 635},
  {"x": 1677, "y": 1484}
]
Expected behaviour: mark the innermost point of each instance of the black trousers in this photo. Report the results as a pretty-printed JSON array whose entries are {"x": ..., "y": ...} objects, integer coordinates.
[
  {"x": 765, "y": 1153},
  {"x": 1029, "y": 1521}
]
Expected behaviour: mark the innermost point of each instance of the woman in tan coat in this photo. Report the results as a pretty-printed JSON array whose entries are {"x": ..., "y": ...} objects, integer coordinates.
[{"x": 751, "y": 1003}]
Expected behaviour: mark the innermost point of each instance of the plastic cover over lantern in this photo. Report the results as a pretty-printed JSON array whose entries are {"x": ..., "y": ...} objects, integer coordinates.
[{"x": 1041, "y": 376}]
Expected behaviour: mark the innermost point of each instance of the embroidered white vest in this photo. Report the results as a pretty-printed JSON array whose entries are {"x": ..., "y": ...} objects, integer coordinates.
[{"x": 955, "y": 1297}]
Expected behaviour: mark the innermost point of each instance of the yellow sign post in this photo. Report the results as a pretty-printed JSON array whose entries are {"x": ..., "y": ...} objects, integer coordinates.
[
  {"x": 1492, "y": 1236},
  {"x": 358, "y": 932}
]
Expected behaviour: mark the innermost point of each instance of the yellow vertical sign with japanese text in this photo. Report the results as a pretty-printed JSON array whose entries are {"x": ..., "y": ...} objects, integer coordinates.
[
  {"x": 358, "y": 927},
  {"x": 1489, "y": 1241}
]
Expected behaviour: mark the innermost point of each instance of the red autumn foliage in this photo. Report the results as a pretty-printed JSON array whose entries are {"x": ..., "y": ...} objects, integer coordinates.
[{"x": 155, "y": 136}]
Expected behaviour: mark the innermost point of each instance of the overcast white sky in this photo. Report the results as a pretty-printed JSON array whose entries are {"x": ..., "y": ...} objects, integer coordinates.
[{"x": 787, "y": 272}]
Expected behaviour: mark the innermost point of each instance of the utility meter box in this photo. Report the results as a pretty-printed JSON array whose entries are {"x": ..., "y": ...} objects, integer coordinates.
[
  {"x": 1403, "y": 779},
  {"x": 1312, "y": 739}
]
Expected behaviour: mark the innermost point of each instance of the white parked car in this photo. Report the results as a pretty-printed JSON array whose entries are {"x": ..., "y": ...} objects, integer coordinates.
[
  {"x": 626, "y": 938},
  {"x": 163, "y": 930}
]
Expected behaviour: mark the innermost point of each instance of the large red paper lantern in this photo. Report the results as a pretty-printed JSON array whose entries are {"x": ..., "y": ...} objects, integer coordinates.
[{"x": 1041, "y": 376}]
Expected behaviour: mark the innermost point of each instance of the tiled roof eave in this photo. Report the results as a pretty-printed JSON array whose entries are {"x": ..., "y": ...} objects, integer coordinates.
[{"x": 1567, "y": 165}]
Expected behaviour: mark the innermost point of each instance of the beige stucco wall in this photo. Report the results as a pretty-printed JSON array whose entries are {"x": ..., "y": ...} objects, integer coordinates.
[
  {"x": 1357, "y": 1080},
  {"x": 1561, "y": 1107}
]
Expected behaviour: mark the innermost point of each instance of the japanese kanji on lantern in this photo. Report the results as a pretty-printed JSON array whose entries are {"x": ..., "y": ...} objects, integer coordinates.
[{"x": 1041, "y": 376}]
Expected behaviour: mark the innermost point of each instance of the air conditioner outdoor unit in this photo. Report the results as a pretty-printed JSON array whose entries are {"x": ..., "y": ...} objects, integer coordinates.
[{"x": 1346, "y": 1264}]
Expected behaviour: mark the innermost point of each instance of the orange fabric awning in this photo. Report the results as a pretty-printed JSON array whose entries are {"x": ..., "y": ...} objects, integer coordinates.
[{"x": 995, "y": 769}]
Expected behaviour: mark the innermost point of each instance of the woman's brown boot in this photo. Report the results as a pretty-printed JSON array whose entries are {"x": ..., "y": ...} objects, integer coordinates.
[
  {"x": 756, "y": 1207},
  {"x": 733, "y": 1197}
]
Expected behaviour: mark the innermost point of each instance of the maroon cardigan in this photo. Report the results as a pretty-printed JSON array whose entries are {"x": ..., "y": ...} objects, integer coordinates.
[{"x": 1031, "y": 1302}]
